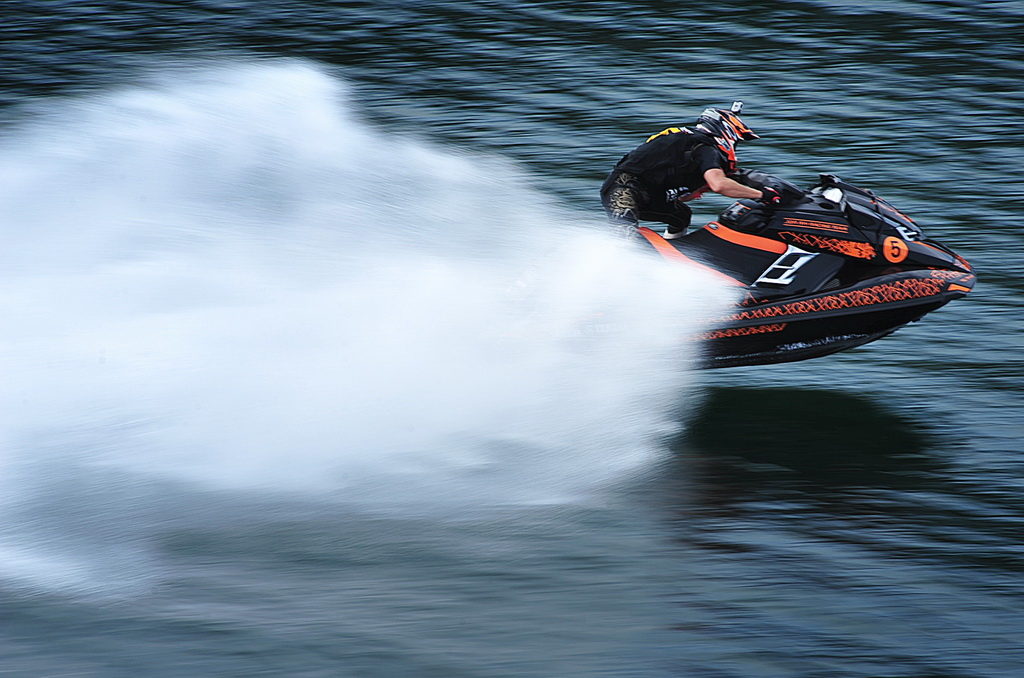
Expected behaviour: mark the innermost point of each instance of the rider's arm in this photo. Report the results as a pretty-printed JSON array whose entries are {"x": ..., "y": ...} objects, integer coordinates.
[{"x": 720, "y": 183}]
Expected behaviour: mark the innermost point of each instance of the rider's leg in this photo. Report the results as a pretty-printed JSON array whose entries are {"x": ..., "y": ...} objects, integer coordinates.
[
  {"x": 675, "y": 214},
  {"x": 623, "y": 199}
]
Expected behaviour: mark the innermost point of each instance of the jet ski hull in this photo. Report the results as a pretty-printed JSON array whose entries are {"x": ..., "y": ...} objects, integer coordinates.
[
  {"x": 822, "y": 324},
  {"x": 813, "y": 281},
  {"x": 813, "y": 327}
]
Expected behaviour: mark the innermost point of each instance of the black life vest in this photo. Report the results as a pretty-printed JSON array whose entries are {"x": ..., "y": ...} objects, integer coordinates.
[{"x": 666, "y": 160}]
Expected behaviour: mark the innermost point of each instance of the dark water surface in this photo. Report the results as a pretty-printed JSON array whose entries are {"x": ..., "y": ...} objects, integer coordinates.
[{"x": 263, "y": 411}]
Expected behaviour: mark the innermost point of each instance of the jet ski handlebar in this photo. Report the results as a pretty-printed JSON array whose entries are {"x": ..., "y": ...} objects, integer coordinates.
[{"x": 762, "y": 180}]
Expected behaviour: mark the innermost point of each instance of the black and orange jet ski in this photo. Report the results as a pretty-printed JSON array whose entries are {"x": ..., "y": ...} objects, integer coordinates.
[{"x": 829, "y": 269}]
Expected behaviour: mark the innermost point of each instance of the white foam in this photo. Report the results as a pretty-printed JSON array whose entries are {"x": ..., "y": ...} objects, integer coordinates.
[{"x": 226, "y": 278}]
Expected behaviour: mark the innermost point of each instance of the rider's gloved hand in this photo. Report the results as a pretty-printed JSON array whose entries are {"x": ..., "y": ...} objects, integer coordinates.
[{"x": 769, "y": 196}]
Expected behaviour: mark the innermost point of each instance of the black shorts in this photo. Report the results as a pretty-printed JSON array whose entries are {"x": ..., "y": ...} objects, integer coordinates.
[{"x": 626, "y": 199}]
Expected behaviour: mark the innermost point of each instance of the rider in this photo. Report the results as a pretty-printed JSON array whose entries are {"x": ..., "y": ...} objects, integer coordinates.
[{"x": 655, "y": 180}]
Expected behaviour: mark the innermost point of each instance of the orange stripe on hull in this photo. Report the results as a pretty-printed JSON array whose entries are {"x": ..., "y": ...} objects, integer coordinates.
[
  {"x": 879, "y": 294},
  {"x": 666, "y": 250},
  {"x": 731, "y": 332},
  {"x": 745, "y": 239}
]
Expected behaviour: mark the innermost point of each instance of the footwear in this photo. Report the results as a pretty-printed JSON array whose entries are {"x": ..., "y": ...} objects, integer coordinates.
[{"x": 671, "y": 234}]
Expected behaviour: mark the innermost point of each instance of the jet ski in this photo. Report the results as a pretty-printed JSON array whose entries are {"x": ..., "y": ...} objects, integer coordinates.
[{"x": 828, "y": 269}]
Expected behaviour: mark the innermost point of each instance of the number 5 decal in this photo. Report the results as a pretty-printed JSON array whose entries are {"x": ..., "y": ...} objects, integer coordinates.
[{"x": 895, "y": 250}]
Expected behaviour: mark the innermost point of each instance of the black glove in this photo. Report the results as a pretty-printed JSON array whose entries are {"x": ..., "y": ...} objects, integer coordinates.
[{"x": 769, "y": 196}]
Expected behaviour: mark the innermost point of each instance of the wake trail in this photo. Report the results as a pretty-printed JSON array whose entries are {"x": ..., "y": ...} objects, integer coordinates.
[{"x": 224, "y": 278}]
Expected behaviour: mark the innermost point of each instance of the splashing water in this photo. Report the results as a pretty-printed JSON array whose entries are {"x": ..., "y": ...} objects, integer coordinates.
[{"x": 224, "y": 278}]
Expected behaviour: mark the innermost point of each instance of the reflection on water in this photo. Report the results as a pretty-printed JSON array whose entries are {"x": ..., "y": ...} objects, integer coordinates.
[
  {"x": 833, "y": 466},
  {"x": 814, "y": 529},
  {"x": 821, "y": 440}
]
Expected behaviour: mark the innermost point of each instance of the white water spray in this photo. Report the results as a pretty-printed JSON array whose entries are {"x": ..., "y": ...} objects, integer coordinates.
[{"x": 226, "y": 279}]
